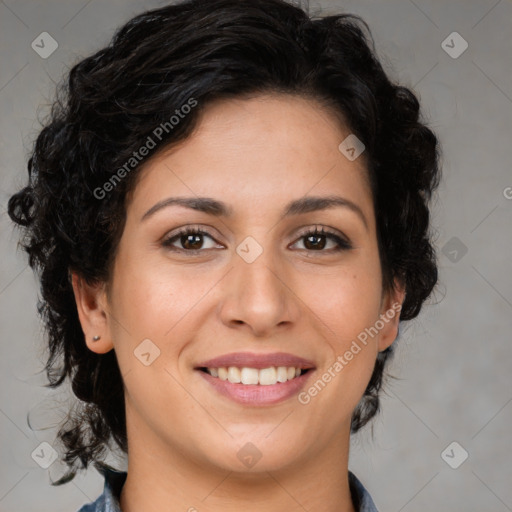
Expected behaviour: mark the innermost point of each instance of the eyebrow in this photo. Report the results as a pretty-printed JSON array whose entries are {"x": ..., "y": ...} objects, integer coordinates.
[{"x": 297, "y": 207}]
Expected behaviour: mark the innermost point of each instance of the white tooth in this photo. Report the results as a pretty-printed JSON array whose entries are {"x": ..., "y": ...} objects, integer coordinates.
[
  {"x": 282, "y": 374},
  {"x": 249, "y": 376},
  {"x": 213, "y": 372},
  {"x": 268, "y": 376},
  {"x": 291, "y": 372},
  {"x": 233, "y": 374},
  {"x": 223, "y": 373}
]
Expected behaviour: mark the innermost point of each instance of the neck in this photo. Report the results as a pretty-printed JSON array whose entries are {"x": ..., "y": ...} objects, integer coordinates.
[{"x": 161, "y": 477}]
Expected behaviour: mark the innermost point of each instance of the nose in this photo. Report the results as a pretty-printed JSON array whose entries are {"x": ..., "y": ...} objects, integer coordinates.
[{"x": 258, "y": 297}]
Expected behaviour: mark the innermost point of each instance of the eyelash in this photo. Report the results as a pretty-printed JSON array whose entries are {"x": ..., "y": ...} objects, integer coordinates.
[{"x": 341, "y": 243}]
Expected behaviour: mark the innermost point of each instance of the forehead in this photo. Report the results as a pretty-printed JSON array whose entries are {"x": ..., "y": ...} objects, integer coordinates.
[{"x": 263, "y": 150}]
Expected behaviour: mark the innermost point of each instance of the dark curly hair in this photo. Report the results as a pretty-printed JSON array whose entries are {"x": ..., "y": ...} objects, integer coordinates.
[{"x": 155, "y": 64}]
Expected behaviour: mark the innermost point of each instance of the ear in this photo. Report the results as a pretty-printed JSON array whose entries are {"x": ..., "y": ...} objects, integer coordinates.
[
  {"x": 390, "y": 314},
  {"x": 91, "y": 303}
]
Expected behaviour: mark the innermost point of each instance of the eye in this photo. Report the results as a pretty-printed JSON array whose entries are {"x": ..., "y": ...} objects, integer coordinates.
[
  {"x": 190, "y": 239},
  {"x": 315, "y": 240}
]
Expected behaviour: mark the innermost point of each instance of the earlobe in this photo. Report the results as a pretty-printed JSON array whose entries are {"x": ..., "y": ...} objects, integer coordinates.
[
  {"x": 390, "y": 315},
  {"x": 91, "y": 306}
]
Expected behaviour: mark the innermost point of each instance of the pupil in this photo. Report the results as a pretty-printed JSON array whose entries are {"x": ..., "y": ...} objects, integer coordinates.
[
  {"x": 193, "y": 241},
  {"x": 315, "y": 244},
  {"x": 189, "y": 241}
]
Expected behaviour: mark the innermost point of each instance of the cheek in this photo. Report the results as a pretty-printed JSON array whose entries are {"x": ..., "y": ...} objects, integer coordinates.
[
  {"x": 148, "y": 302},
  {"x": 346, "y": 305},
  {"x": 346, "y": 302}
]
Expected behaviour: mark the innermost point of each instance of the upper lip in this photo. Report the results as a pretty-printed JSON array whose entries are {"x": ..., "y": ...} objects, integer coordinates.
[{"x": 253, "y": 360}]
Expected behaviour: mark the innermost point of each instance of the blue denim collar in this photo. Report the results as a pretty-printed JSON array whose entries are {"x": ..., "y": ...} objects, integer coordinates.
[
  {"x": 114, "y": 481},
  {"x": 360, "y": 496},
  {"x": 108, "y": 501}
]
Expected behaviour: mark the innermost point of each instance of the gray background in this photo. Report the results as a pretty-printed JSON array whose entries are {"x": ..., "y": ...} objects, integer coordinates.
[{"x": 454, "y": 362}]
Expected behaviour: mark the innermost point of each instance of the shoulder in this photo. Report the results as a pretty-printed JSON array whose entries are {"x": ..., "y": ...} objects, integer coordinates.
[{"x": 108, "y": 501}]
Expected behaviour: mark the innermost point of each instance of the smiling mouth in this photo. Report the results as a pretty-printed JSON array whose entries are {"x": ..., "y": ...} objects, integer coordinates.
[{"x": 254, "y": 376}]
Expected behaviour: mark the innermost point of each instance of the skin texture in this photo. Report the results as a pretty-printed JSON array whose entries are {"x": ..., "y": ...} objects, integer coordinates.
[{"x": 256, "y": 155}]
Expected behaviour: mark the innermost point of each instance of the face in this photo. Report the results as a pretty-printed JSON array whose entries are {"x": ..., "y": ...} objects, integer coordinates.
[{"x": 244, "y": 277}]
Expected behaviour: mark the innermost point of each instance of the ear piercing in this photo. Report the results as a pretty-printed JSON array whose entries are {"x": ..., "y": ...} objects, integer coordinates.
[{"x": 96, "y": 338}]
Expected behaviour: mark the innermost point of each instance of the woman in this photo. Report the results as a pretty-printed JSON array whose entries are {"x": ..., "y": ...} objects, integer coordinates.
[{"x": 228, "y": 211}]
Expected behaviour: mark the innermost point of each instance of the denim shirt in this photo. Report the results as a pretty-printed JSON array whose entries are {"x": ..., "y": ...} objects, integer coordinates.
[{"x": 114, "y": 481}]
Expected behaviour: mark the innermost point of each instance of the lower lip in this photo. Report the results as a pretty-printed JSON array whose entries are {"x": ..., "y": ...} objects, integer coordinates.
[{"x": 256, "y": 394}]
